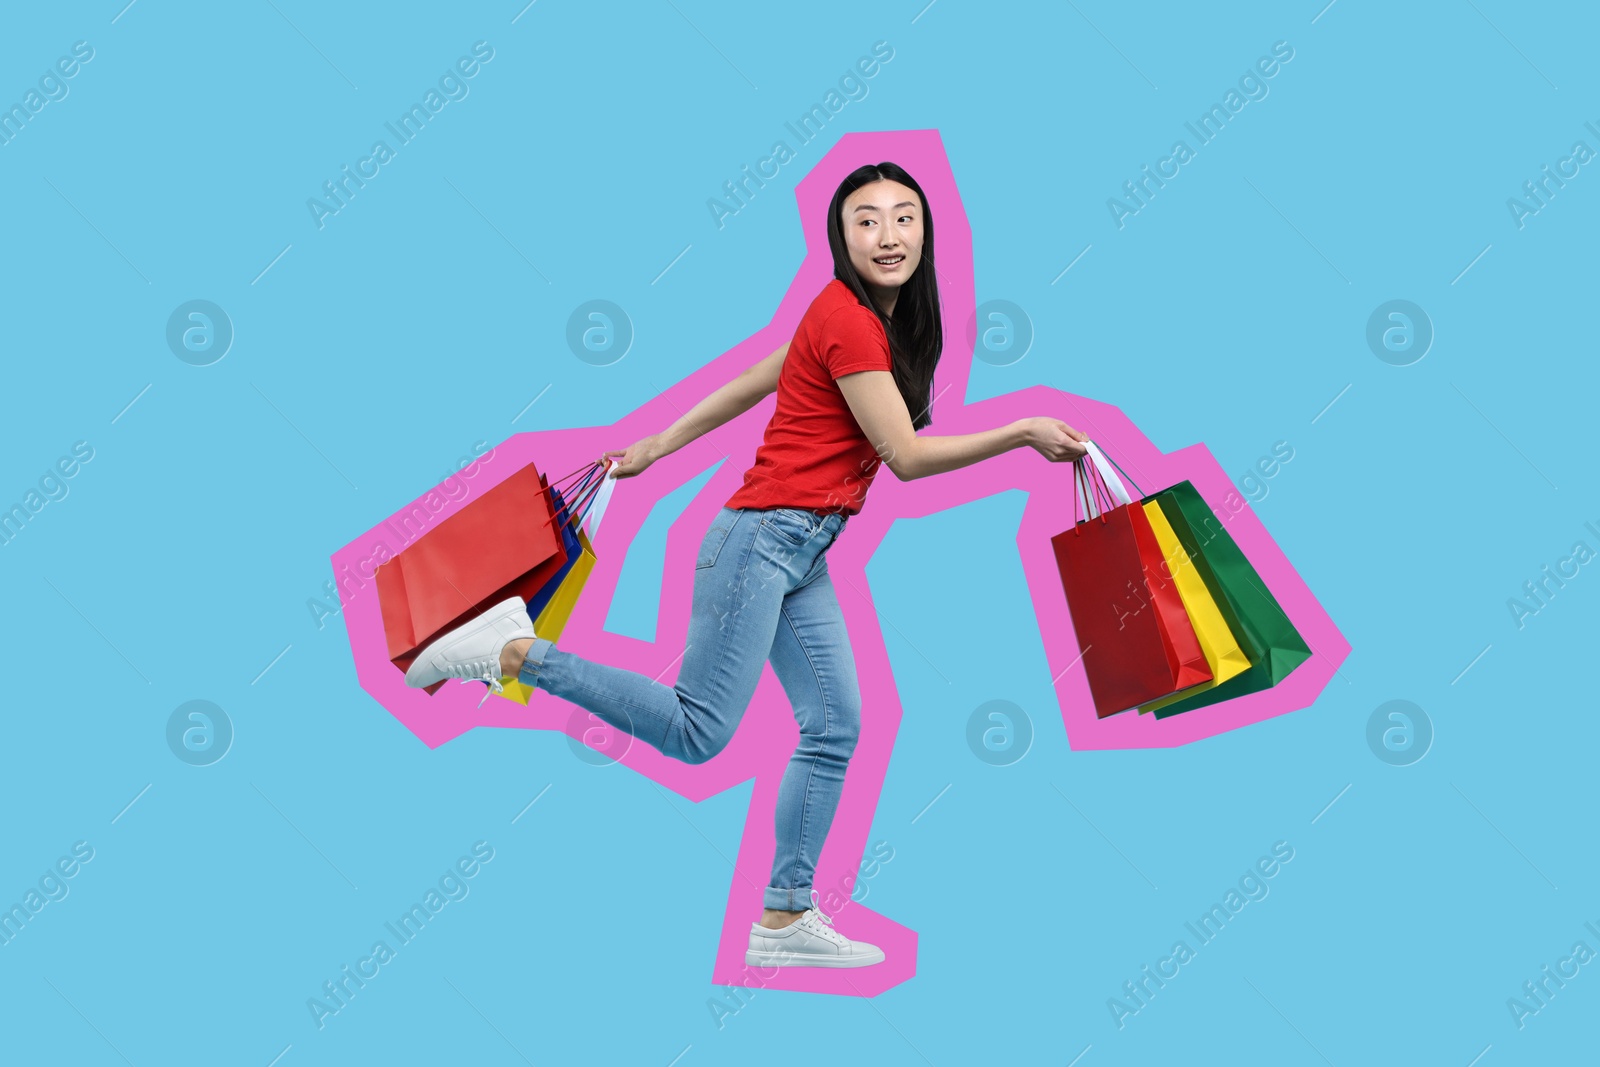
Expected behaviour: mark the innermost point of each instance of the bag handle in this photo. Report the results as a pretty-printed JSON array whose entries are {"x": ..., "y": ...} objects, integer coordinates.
[
  {"x": 592, "y": 494},
  {"x": 1097, "y": 496},
  {"x": 1085, "y": 474},
  {"x": 1077, "y": 491},
  {"x": 585, "y": 470},
  {"x": 1112, "y": 499},
  {"x": 577, "y": 497},
  {"x": 1101, "y": 461}
]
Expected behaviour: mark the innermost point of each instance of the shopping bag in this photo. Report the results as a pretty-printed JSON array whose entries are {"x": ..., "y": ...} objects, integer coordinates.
[
  {"x": 1221, "y": 648},
  {"x": 553, "y": 619},
  {"x": 550, "y": 619},
  {"x": 505, "y": 543},
  {"x": 1134, "y": 636},
  {"x": 1266, "y": 636},
  {"x": 569, "y": 541},
  {"x": 551, "y": 606}
]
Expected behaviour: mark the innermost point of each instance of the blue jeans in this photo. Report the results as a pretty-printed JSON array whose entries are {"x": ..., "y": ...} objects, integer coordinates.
[{"x": 761, "y": 591}]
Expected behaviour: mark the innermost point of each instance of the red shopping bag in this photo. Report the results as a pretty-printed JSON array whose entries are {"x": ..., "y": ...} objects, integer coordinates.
[
  {"x": 505, "y": 543},
  {"x": 1134, "y": 636}
]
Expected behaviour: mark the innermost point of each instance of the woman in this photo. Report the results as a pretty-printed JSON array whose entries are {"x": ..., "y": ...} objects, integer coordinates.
[{"x": 861, "y": 363}]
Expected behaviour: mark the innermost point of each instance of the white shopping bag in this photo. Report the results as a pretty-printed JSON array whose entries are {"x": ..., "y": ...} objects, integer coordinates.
[{"x": 597, "y": 509}]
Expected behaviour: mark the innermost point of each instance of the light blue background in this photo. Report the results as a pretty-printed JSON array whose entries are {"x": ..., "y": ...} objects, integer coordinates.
[{"x": 428, "y": 313}]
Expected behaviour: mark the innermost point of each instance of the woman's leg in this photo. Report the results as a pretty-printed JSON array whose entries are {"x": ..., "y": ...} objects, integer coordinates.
[
  {"x": 811, "y": 656},
  {"x": 738, "y": 595}
]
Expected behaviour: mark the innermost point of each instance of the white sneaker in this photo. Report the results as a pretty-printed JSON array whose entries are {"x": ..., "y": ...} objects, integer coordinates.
[
  {"x": 809, "y": 941},
  {"x": 471, "y": 652}
]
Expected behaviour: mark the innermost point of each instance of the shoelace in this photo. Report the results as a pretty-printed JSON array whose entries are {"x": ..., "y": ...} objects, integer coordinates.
[
  {"x": 825, "y": 931},
  {"x": 478, "y": 670}
]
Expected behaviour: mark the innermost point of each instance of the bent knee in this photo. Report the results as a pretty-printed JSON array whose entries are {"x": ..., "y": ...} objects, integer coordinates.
[
  {"x": 698, "y": 754},
  {"x": 702, "y": 748},
  {"x": 843, "y": 739},
  {"x": 841, "y": 729}
]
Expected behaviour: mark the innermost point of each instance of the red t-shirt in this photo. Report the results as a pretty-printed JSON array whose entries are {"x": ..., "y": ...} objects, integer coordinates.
[{"x": 814, "y": 454}]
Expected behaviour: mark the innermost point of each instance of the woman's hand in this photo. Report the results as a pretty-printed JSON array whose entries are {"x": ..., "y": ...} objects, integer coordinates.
[
  {"x": 636, "y": 457},
  {"x": 1054, "y": 439}
]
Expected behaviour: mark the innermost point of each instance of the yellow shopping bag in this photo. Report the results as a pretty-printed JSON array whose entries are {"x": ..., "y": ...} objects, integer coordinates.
[
  {"x": 1218, "y": 644},
  {"x": 553, "y": 619}
]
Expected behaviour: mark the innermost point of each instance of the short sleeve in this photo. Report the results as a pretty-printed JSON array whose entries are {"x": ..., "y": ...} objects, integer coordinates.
[{"x": 852, "y": 339}]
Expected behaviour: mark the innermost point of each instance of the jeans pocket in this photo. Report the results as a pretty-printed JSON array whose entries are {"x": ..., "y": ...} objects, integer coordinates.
[
  {"x": 716, "y": 537},
  {"x": 793, "y": 525}
]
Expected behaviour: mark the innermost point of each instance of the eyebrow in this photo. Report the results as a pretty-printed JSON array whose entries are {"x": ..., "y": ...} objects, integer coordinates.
[{"x": 874, "y": 207}]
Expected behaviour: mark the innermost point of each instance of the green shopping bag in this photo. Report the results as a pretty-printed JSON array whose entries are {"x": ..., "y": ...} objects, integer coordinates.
[{"x": 1268, "y": 638}]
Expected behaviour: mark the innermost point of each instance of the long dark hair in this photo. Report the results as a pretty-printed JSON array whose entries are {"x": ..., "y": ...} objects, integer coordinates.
[{"x": 916, "y": 333}]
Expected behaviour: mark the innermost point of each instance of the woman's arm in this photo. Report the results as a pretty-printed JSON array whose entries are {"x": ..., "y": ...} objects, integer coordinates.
[
  {"x": 753, "y": 384},
  {"x": 881, "y": 412}
]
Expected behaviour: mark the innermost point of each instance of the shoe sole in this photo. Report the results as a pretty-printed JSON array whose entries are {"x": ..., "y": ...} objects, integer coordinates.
[
  {"x": 504, "y": 611},
  {"x": 752, "y": 958}
]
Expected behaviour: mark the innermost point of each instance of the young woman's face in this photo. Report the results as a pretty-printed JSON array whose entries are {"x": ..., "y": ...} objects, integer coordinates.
[{"x": 883, "y": 230}]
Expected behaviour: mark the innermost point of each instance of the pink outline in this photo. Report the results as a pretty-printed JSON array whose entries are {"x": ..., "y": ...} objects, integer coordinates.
[{"x": 768, "y": 734}]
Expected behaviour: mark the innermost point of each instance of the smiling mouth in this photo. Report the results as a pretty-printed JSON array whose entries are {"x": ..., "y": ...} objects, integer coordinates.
[{"x": 890, "y": 261}]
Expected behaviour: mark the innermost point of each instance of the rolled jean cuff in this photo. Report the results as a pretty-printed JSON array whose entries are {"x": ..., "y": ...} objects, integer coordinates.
[
  {"x": 786, "y": 899},
  {"x": 533, "y": 662}
]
